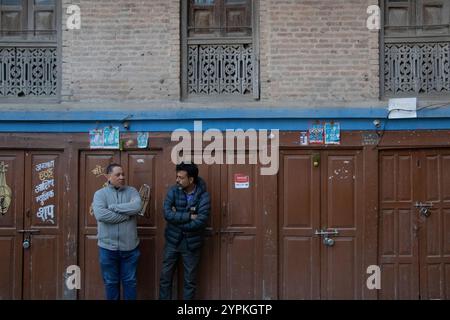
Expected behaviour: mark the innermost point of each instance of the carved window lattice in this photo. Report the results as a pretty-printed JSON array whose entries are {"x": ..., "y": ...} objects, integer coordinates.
[
  {"x": 420, "y": 68},
  {"x": 220, "y": 69},
  {"x": 28, "y": 72}
]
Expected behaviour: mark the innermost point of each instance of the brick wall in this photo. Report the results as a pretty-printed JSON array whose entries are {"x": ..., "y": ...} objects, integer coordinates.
[
  {"x": 310, "y": 51},
  {"x": 126, "y": 49},
  {"x": 318, "y": 50}
]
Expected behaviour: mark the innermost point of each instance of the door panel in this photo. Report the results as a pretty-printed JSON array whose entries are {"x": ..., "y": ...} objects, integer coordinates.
[
  {"x": 241, "y": 237},
  {"x": 397, "y": 229},
  {"x": 43, "y": 199},
  {"x": 141, "y": 168},
  {"x": 299, "y": 210},
  {"x": 92, "y": 177},
  {"x": 319, "y": 191},
  {"x": 434, "y": 230},
  {"x": 10, "y": 223},
  {"x": 341, "y": 210},
  {"x": 414, "y": 249},
  {"x": 208, "y": 284}
]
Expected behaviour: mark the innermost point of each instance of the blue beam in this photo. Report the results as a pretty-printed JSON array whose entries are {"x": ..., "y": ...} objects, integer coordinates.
[{"x": 223, "y": 124}]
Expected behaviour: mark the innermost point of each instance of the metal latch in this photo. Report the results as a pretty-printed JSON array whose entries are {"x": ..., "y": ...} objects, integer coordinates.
[
  {"x": 326, "y": 233},
  {"x": 424, "y": 208},
  {"x": 326, "y": 239}
]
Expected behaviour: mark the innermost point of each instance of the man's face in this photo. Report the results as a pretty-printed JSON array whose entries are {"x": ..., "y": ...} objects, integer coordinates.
[
  {"x": 117, "y": 177},
  {"x": 183, "y": 180}
]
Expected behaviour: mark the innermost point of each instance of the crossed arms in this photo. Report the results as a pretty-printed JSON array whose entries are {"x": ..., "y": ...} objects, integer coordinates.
[{"x": 115, "y": 213}]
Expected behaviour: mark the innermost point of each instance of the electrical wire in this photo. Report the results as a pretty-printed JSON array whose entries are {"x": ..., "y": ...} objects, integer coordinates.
[{"x": 380, "y": 133}]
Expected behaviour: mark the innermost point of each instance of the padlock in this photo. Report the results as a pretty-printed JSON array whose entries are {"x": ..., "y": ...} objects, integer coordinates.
[
  {"x": 328, "y": 242},
  {"x": 26, "y": 243}
]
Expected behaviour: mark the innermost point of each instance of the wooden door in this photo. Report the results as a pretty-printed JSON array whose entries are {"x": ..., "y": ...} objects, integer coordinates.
[
  {"x": 299, "y": 216},
  {"x": 241, "y": 238},
  {"x": 92, "y": 177},
  {"x": 397, "y": 244},
  {"x": 208, "y": 279},
  {"x": 140, "y": 167},
  {"x": 342, "y": 210},
  {"x": 434, "y": 225},
  {"x": 11, "y": 221},
  {"x": 232, "y": 255},
  {"x": 320, "y": 191},
  {"x": 34, "y": 217},
  {"x": 43, "y": 260},
  {"x": 145, "y": 167},
  {"x": 414, "y": 224}
]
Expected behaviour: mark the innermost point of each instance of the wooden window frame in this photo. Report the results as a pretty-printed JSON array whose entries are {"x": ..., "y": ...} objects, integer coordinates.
[
  {"x": 410, "y": 38},
  {"x": 228, "y": 40},
  {"x": 36, "y": 42}
]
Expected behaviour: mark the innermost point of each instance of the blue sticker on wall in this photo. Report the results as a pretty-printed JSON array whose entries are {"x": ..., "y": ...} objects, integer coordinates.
[
  {"x": 316, "y": 134},
  {"x": 332, "y": 133}
]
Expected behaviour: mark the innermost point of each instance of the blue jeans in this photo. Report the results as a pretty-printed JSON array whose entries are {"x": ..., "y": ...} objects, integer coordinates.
[
  {"x": 116, "y": 267},
  {"x": 191, "y": 261}
]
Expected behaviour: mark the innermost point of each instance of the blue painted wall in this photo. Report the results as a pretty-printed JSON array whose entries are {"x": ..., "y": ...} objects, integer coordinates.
[{"x": 169, "y": 120}]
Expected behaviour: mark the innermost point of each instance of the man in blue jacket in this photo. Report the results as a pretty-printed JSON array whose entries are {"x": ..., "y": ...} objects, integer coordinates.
[
  {"x": 186, "y": 210},
  {"x": 115, "y": 208}
]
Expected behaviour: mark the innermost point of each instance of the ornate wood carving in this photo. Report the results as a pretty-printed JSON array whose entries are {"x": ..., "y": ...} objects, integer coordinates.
[
  {"x": 220, "y": 69},
  {"x": 417, "y": 68},
  {"x": 28, "y": 72}
]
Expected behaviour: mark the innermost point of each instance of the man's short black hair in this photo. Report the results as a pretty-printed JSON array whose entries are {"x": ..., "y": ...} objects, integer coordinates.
[
  {"x": 190, "y": 168},
  {"x": 111, "y": 167}
]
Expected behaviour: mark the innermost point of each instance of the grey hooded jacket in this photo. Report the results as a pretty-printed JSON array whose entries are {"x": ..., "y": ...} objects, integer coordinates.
[{"x": 115, "y": 211}]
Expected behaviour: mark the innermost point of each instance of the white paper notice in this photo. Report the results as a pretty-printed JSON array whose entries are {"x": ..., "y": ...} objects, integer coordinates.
[{"x": 402, "y": 108}]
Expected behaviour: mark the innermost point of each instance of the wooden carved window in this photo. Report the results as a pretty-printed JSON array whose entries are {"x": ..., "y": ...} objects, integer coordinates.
[
  {"x": 219, "y": 56},
  {"x": 28, "y": 48},
  {"x": 416, "y": 56}
]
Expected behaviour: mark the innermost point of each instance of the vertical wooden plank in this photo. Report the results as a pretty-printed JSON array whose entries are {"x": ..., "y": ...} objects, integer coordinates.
[
  {"x": 44, "y": 259},
  {"x": 12, "y": 221},
  {"x": 299, "y": 217},
  {"x": 370, "y": 217},
  {"x": 92, "y": 177}
]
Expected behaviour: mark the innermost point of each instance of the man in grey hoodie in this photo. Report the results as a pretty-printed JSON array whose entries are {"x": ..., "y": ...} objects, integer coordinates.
[{"x": 115, "y": 208}]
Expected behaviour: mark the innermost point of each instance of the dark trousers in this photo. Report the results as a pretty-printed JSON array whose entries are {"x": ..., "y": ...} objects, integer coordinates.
[
  {"x": 191, "y": 259},
  {"x": 116, "y": 267}
]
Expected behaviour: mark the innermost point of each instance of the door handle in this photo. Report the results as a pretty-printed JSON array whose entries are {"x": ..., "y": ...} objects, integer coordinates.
[{"x": 28, "y": 231}]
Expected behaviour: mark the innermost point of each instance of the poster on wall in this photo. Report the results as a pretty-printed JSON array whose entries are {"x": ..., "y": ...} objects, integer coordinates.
[
  {"x": 332, "y": 133},
  {"x": 107, "y": 138},
  {"x": 111, "y": 137},
  {"x": 142, "y": 139},
  {"x": 96, "y": 138},
  {"x": 316, "y": 134}
]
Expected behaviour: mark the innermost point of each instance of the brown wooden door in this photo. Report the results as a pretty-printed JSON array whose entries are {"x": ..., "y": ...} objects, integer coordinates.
[
  {"x": 145, "y": 167},
  {"x": 320, "y": 190},
  {"x": 92, "y": 177},
  {"x": 231, "y": 262},
  {"x": 140, "y": 167},
  {"x": 434, "y": 229},
  {"x": 43, "y": 260},
  {"x": 35, "y": 215},
  {"x": 240, "y": 234},
  {"x": 208, "y": 282},
  {"x": 414, "y": 248},
  {"x": 12, "y": 164},
  {"x": 398, "y": 247}
]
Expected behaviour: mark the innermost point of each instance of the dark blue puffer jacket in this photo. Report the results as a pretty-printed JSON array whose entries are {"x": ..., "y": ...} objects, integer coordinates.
[{"x": 179, "y": 223}]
